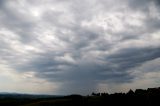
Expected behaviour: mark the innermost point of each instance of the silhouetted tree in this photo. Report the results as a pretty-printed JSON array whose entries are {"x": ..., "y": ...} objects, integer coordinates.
[{"x": 130, "y": 92}]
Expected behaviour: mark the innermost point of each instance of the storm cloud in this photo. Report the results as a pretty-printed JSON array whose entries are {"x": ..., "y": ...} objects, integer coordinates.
[{"x": 80, "y": 46}]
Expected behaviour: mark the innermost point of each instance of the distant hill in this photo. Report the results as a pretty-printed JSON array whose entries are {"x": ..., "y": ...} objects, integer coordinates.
[{"x": 29, "y": 96}]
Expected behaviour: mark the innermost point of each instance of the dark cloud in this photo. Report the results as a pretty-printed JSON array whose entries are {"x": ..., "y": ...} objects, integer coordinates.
[
  {"x": 138, "y": 5},
  {"x": 133, "y": 57}
]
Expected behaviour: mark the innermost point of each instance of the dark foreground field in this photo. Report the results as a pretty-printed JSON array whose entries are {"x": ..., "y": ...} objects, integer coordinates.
[{"x": 149, "y": 97}]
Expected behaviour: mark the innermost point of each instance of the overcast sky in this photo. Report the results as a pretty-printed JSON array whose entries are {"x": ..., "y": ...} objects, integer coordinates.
[{"x": 79, "y": 46}]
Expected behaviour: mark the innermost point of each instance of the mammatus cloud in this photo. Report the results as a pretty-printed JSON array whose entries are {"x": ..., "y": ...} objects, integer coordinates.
[{"x": 79, "y": 46}]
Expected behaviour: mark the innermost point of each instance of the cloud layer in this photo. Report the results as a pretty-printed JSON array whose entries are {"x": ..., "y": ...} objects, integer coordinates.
[{"x": 73, "y": 46}]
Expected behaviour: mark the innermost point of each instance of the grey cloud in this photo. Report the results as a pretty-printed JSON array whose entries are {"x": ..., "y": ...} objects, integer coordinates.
[
  {"x": 16, "y": 21},
  {"x": 150, "y": 10},
  {"x": 135, "y": 4},
  {"x": 149, "y": 67},
  {"x": 153, "y": 24},
  {"x": 77, "y": 56},
  {"x": 133, "y": 57}
]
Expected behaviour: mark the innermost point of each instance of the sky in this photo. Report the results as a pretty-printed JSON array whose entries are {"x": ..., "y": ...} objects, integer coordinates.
[{"x": 79, "y": 46}]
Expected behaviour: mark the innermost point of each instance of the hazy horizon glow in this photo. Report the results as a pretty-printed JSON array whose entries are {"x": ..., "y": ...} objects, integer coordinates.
[{"x": 79, "y": 46}]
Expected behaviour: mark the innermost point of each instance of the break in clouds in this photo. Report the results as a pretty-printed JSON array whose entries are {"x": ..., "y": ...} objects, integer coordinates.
[{"x": 79, "y": 46}]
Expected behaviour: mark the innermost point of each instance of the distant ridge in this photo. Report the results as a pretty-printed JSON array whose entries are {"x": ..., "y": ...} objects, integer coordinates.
[{"x": 24, "y": 95}]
